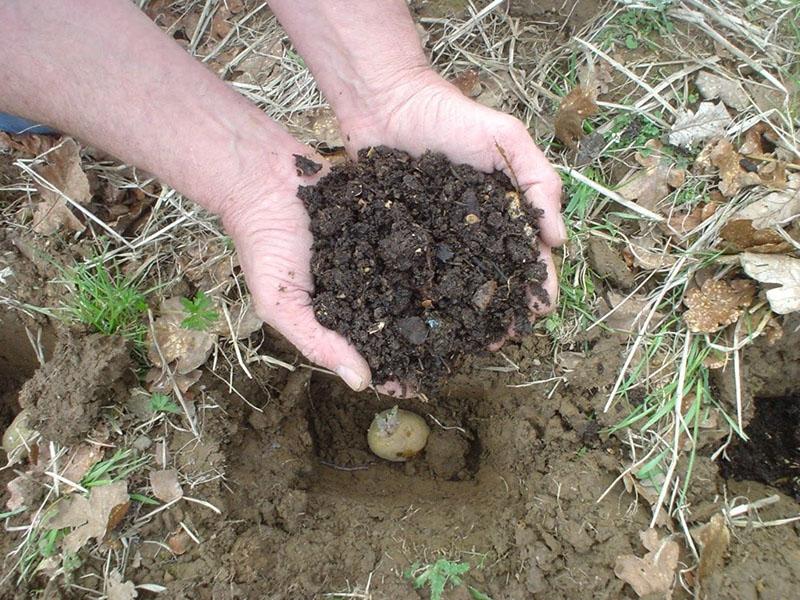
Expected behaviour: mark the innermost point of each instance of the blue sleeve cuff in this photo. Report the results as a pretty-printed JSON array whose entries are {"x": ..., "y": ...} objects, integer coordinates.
[{"x": 18, "y": 125}]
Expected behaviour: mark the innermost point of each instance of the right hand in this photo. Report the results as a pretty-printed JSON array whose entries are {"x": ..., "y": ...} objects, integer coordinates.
[{"x": 270, "y": 228}]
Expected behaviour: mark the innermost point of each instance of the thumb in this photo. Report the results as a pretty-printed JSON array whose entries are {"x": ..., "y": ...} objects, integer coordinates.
[{"x": 321, "y": 345}]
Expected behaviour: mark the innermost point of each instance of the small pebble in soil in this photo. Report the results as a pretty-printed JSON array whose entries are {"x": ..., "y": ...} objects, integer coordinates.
[{"x": 419, "y": 262}]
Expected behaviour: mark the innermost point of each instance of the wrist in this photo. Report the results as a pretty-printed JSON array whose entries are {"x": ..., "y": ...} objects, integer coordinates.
[
  {"x": 258, "y": 172},
  {"x": 379, "y": 116}
]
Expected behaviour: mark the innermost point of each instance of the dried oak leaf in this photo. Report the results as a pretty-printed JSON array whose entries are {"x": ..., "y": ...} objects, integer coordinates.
[
  {"x": 683, "y": 222},
  {"x": 187, "y": 348},
  {"x": 712, "y": 86},
  {"x": 165, "y": 484},
  {"x": 244, "y": 319},
  {"x": 158, "y": 380},
  {"x": 89, "y": 516},
  {"x": 118, "y": 589},
  {"x": 629, "y": 312},
  {"x": 716, "y": 304},
  {"x": 81, "y": 459},
  {"x": 777, "y": 208},
  {"x": 776, "y": 269},
  {"x": 713, "y": 539},
  {"x": 650, "y": 186},
  {"x": 691, "y": 128},
  {"x": 64, "y": 173},
  {"x": 773, "y": 174},
  {"x": 740, "y": 235},
  {"x": 596, "y": 77},
  {"x": 644, "y": 250},
  {"x": 655, "y": 572},
  {"x": 729, "y": 162},
  {"x": 574, "y": 108}
]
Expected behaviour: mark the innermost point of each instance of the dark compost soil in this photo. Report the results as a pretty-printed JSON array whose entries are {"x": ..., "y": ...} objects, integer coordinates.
[
  {"x": 772, "y": 454},
  {"x": 419, "y": 261}
]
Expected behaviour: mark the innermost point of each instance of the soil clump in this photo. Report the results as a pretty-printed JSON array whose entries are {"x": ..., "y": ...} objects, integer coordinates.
[{"x": 419, "y": 262}]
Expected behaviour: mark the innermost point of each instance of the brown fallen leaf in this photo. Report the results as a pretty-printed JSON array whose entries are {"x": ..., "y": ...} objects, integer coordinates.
[
  {"x": 716, "y": 359},
  {"x": 773, "y": 174},
  {"x": 574, "y": 108},
  {"x": 179, "y": 542},
  {"x": 713, "y": 539},
  {"x": 759, "y": 140},
  {"x": 23, "y": 491},
  {"x": 468, "y": 82},
  {"x": 716, "y": 304},
  {"x": 773, "y": 331},
  {"x": 244, "y": 319},
  {"x": 89, "y": 516},
  {"x": 64, "y": 173},
  {"x": 646, "y": 254},
  {"x": 596, "y": 77},
  {"x": 651, "y": 185},
  {"x": 776, "y": 208},
  {"x": 683, "y": 222},
  {"x": 29, "y": 145},
  {"x": 220, "y": 27},
  {"x": 628, "y": 313},
  {"x": 655, "y": 572},
  {"x": 783, "y": 271},
  {"x": 740, "y": 236},
  {"x": 729, "y": 162},
  {"x": 691, "y": 128},
  {"x": 158, "y": 380},
  {"x": 188, "y": 349},
  {"x": 81, "y": 460},
  {"x": 165, "y": 484}
]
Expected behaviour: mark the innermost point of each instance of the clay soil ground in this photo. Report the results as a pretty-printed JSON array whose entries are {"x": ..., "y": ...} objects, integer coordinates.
[{"x": 521, "y": 478}]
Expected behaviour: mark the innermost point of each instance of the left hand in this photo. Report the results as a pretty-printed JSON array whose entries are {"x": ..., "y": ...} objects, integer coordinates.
[{"x": 428, "y": 113}]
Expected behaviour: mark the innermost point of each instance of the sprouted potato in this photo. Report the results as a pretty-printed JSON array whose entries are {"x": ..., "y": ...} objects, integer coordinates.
[{"x": 397, "y": 435}]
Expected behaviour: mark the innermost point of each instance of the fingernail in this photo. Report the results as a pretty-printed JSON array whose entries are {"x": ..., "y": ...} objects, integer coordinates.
[{"x": 350, "y": 377}]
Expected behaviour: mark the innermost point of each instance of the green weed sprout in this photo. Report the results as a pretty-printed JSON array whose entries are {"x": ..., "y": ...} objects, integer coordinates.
[
  {"x": 107, "y": 301},
  {"x": 162, "y": 403},
  {"x": 440, "y": 575},
  {"x": 201, "y": 316},
  {"x": 119, "y": 466}
]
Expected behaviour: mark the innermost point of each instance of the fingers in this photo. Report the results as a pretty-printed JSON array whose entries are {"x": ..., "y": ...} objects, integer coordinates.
[
  {"x": 550, "y": 285},
  {"x": 537, "y": 179},
  {"x": 396, "y": 389},
  {"x": 320, "y": 345}
]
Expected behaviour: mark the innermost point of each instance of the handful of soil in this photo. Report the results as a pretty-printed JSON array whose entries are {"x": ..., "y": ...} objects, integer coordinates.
[{"x": 419, "y": 261}]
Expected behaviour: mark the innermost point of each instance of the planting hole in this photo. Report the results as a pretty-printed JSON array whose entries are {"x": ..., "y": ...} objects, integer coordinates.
[{"x": 772, "y": 455}]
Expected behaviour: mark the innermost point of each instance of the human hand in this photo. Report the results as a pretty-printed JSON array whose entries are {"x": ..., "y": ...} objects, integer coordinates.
[
  {"x": 425, "y": 112},
  {"x": 270, "y": 228}
]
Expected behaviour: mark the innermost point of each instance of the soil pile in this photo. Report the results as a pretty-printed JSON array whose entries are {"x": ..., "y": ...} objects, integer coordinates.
[{"x": 419, "y": 262}]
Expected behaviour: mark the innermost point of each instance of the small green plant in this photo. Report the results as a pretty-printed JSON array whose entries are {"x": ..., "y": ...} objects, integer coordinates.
[
  {"x": 440, "y": 575},
  {"x": 635, "y": 27},
  {"x": 119, "y": 466},
  {"x": 632, "y": 132},
  {"x": 162, "y": 403},
  {"x": 106, "y": 300},
  {"x": 201, "y": 315}
]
